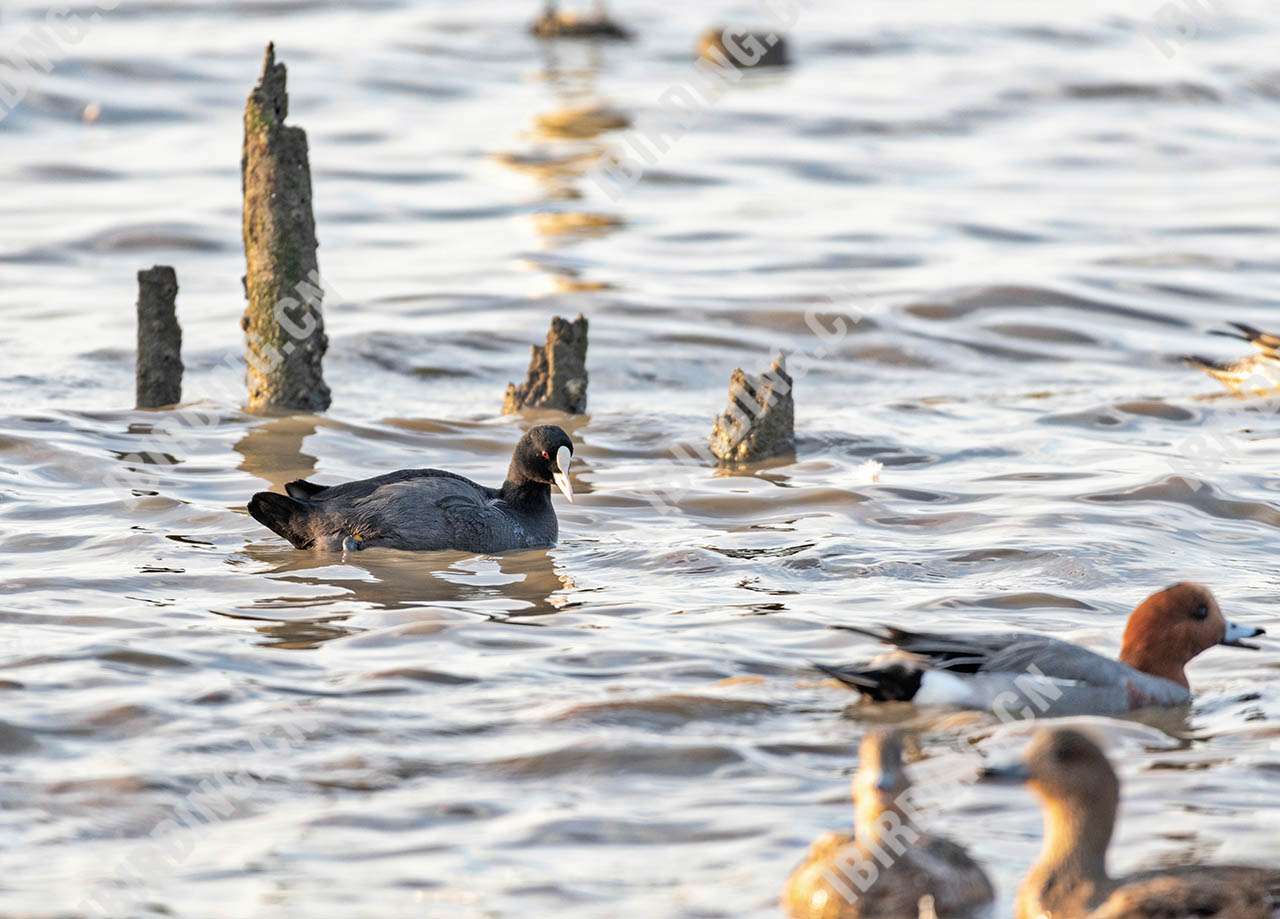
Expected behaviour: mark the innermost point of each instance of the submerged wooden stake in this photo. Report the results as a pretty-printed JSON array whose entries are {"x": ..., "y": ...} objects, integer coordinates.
[
  {"x": 760, "y": 420},
  {"x": 557, "y": 375},
  {"x": 159, "y": 363},
  {"x": 283, "y": 326}
]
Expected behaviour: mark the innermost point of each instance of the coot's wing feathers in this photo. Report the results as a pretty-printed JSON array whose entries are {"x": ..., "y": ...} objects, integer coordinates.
[
  {"x": 397, "y": 509},
  {"x": 484, "y": 527},
  {"x": 363, "y": 488},
  {"x": 422, "y": 509}
]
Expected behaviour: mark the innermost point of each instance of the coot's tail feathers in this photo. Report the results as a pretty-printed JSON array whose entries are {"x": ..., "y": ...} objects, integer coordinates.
[
  {"x": 301, "y": 488},
  {"x": 282, "y": 515},
  {"x": 894, "y": 683}
]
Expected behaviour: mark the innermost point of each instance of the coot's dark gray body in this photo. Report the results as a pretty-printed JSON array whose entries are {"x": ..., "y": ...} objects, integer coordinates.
[{"x": 429, "y": 508}]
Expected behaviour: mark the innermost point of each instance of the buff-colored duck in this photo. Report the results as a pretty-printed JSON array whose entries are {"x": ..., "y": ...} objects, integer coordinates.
[
  {"x": 1079, "y": 792},
  {"x": 1253, "y": 374},
  {"x": 888, "y": 868}
]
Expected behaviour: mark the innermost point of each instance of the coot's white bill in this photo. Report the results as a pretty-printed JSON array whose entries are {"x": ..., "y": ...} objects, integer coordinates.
[{"x": 561, "y": 478}]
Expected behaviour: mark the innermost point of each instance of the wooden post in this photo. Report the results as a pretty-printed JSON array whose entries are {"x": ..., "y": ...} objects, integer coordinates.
[
  {"x": 760, "y": 421},
  {"x": 159, "y": 363},
  {"x": 557, "y": 375},
  {"x": 283, "y": 326}
]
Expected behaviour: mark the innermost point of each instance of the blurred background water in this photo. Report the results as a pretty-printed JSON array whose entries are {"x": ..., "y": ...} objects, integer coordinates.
[{"x": 1020, "y": 214}]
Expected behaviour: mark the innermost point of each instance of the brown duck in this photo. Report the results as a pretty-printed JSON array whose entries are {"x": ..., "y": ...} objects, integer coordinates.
[
  {"x": 888, "y": 868},
  {"x": 1079, "y": 792}
]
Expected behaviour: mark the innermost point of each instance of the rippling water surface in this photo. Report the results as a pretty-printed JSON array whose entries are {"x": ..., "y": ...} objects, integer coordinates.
[{"x": 1024, "y": 211}]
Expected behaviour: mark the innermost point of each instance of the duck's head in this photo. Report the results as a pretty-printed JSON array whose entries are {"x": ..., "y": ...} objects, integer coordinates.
[
  {"x": 543, "y": 455},
  {"x": 1079, "y": 793},
  {"x": 1174, "y": 625},
  {"x": 880, "y": 779},
  {"x": 1061, "y": 764}
]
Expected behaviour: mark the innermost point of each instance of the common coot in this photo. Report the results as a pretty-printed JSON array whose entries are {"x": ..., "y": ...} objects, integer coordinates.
[{"x": 429, "y": 508}]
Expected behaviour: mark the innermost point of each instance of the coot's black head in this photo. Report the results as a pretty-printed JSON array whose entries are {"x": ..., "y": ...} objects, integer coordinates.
[{"x": 543, "y": 456}]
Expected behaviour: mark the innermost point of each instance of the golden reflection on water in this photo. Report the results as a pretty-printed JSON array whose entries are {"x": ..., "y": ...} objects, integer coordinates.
[
  {"x": 566, "y": 146},
  {"x": 273, "y": 451}
]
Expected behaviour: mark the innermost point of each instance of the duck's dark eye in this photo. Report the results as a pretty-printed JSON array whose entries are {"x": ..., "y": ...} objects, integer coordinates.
[
  {"x": 1200, "y": 612},
  {"x": 546, "y": 455}
]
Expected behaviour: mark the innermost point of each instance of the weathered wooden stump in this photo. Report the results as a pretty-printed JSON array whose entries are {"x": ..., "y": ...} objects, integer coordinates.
[
  {"x": 284, "y": 329},
  {"x": 760, "y": 420},
  {"x": 557, "y": 375},
  {"x": 159, "y": 362},
  {"x": 743, "y": 49},
  {"x": 557, "y": 23}
]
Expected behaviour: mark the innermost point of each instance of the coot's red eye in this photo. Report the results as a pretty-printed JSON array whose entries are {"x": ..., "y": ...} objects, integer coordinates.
[{"x": 546, "y": 455}]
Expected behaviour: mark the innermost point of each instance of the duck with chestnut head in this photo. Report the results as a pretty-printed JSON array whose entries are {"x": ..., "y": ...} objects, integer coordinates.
[{"x": 1029, "y": 675}]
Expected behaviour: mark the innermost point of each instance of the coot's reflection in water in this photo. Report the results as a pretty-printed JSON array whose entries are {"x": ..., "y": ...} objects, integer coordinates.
[
  {"x": 273, "y": 451},
  {"x": 501, "y": 587}
]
